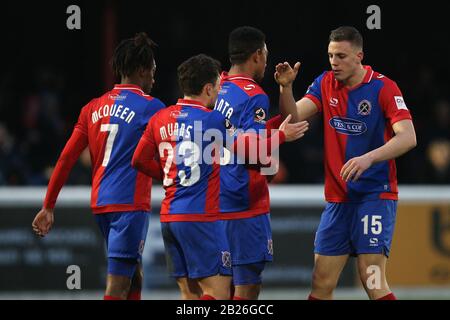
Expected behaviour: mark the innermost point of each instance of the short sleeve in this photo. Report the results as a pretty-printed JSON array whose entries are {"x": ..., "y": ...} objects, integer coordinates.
[
  {"x": 83, "y": 120},
  {"x": 392, "y": 103},
  {"x": 314, "y": 92},
  {"x": 256, "y": 113},
  {"x": 218, "y": 121}
]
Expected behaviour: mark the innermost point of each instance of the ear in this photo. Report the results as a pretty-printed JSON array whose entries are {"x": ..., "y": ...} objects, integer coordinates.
[
  {"x": 360, "y": 55},
  {"x": 256, "y": 55},
  {"x": 141, "y": 72},
  {"x": 207, "y": 89}
]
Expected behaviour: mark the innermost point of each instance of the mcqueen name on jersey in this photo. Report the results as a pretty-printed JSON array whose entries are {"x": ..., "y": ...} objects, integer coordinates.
[{"x": 117, "y": 111}]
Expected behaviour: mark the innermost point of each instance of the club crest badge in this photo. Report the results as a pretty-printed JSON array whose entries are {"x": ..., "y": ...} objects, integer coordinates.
[{"x": 364, "y": 108}]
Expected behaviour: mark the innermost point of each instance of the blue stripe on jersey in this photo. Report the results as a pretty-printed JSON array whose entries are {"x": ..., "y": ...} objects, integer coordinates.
[
  {"x": 376, "y": 178},
  {"x": 119, "y": 178},
  {"x": 192, "y": 198}
]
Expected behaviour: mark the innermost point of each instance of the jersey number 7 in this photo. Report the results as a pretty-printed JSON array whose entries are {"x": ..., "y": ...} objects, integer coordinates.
[{"x": 112, "y": 129}]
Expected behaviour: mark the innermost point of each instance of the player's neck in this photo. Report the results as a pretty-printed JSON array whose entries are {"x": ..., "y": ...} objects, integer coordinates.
[
  {"x": 356, "y": 79},
  {"x": 203, "y": 100},
  {"x": 243, "y": 70},
  {"x": 132, "y": 81}
]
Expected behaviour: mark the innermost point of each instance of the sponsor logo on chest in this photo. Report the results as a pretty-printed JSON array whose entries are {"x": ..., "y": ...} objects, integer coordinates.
[{"x": 348, "y": 126}]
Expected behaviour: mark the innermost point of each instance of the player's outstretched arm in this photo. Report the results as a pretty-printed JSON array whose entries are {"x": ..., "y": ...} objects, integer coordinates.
[
  {"x": 300, "y": 110},
  {"x": 43, "y": 221},
  {"x": 403, "y": 141},
  {"x": 293, "y": 131}
]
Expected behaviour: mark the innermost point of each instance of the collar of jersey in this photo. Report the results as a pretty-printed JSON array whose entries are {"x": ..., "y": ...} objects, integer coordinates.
[
  {"x": 128, "y": 87},
  {"x": 227, "y": 77},
  {"x": 190, "y": 103},
  {"x": 367, "y": 78}
]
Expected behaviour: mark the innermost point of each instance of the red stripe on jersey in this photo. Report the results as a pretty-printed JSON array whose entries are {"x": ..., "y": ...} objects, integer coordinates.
[
  {"x": 248, "y": 85},
  {"x": 173, "y": 171},
  {"x": 335, "y": 147},
  {"x": 316, "y": 101},
  {"x": 191, "y": 217},
  {"x": 120, "y": 207},
  {"x": 144, "y": 185},
  {"x": 259, "y": 191},
  {"x": 213, "y": 191}
]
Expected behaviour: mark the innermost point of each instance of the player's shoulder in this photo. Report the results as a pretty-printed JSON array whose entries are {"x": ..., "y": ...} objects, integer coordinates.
[
  {"x": 165, "y": 112},
  {"x": 92, "y": 104},
  {"x": 245, "y": 84},
  {"x": 387, "y": 82},
  {"x": 326, "y": 75},
  {"x": 155, "y": 103}
]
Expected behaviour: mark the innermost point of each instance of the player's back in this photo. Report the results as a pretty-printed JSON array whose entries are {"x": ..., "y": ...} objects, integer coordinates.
[
  {"x": 243, "y": 191},
  {"x": 114, "y": 123},
  {"x": 191, "y": 169}
]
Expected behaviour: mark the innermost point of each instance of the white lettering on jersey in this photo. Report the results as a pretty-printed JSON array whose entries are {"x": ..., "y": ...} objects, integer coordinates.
[
  {"x": 113, "y": 111},
  {"x": 224, "y": 107},
  {"x": 175, "y": 130}
]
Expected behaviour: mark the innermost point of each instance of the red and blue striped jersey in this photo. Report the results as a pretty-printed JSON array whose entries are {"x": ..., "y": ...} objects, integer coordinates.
[
  {"x": 244, "y": 191},
  {"x": 114, "y": 124},
  {"x": 188, "y": 158},
  {"x": 356, "y": 121}
]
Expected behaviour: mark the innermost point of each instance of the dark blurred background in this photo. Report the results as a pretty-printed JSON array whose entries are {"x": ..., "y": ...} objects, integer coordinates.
[{"x": 48, "y": 73}]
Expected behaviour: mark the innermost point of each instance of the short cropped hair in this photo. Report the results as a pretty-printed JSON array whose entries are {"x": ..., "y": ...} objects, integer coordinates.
[
  {"x": 349, "y": 34},
  {"x": 243, "y": 42},
  {"x": 196, "y": 72}
]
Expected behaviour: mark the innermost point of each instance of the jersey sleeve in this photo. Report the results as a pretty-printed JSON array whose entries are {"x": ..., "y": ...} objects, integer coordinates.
[
  {"x": 144, "y": 155},
  {"x": 217, "y": 121},
  {"x": 83, "y": 120},
  {"x": 314, "y": 92},
  {"x": 256, "y": 113},
  {"x": 392, "y": 103},
  {"x": 69, "y": 156}
]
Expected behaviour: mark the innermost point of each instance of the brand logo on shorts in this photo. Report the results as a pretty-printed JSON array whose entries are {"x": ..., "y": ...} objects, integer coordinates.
[
  {"x": 373, "y": 242},
  {"x": 270, "y": 246},
  {"x": 226, "y": 259}
]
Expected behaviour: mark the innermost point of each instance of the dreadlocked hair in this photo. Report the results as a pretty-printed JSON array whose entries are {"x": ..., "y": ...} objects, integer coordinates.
[{"x": 132, "y": 54}]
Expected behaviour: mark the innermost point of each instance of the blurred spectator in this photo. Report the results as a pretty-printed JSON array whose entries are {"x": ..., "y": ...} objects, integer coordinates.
[
  {"x": 438, "y": 165},
  {"x": 12, "y": 167},
  {"x": 43, "y": 126}
]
